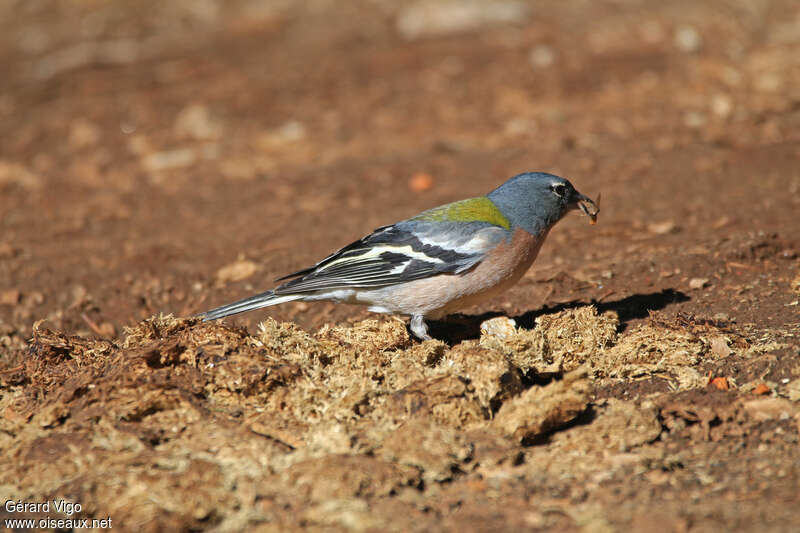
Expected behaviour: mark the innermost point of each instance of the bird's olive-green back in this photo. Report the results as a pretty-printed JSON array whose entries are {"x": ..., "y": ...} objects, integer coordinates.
[{"x": 479, "y": 209}]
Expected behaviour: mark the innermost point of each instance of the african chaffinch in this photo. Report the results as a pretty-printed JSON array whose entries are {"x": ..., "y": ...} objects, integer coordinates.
[{"x": 441, "y": 260}]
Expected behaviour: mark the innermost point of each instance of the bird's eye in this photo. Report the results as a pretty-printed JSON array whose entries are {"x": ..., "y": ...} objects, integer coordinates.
[{"x": 559, "y": 189}]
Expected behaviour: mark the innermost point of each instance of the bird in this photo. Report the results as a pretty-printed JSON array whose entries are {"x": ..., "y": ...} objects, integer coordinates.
[{"x": 439, "y": 261}]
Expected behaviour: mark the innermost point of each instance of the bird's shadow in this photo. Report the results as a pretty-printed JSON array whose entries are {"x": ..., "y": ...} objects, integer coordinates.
[{"x": 460, "y": 327}]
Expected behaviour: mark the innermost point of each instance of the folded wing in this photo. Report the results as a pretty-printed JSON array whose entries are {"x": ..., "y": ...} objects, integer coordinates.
[{"x": 406, "y": 251}]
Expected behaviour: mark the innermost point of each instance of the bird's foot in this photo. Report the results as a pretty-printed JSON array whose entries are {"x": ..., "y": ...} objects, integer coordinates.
[{"x": 419, "y": 329}]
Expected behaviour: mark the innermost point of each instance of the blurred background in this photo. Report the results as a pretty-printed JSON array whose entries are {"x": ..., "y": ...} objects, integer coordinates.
[{"x": 174, "y": 156}]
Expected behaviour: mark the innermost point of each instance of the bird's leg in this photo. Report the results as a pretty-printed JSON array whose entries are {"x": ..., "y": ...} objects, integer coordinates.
[{"x": 419, "y": 328}]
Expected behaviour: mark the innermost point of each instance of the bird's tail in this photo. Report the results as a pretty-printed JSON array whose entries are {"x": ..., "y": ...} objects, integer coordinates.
[{"x": 265, "y": 299}]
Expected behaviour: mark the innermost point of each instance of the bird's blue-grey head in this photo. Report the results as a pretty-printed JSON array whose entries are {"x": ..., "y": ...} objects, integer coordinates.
[{"x": 535, "y": 201}]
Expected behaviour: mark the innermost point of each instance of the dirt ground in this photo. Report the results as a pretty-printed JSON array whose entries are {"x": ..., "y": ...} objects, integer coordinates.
[{"x": 158, "y": 159}]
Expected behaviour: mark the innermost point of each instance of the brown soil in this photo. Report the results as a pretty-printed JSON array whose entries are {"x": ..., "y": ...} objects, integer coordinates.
[{"x": 161, "y": 158}]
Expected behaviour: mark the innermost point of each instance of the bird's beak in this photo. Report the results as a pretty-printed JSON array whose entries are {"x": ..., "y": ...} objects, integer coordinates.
[{"x": 587, "y": 205}]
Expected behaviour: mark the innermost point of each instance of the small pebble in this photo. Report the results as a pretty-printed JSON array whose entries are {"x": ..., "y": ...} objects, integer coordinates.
[
  {"x": 688, "y": 39},
  {"x": 542, "y": 56},
  {"x": 10, "y": 297},
  {"x": 501, "y": 327},
  {"x": 420, "y": 182},
  {"x": 662, "y": 228},
  {"x": 722, "y": 105}
]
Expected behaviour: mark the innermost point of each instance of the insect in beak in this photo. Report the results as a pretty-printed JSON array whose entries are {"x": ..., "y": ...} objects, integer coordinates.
[{"x": 589, "y": 207}]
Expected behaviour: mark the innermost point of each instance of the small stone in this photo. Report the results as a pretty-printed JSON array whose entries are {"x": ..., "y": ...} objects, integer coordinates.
[
  {"x": 721, "y": 383},
  {"x": 181, "y": 157},
  {"x": 127, "y": 127},
  {"x": 83, "y": 133},
  {"x": 290, "y": 132},
  {"x": 761, "y": 389},
  {"x": 6, "y": 250},
  {"x": 719, "y": 347},
  {"x": 9, "y": 297},
  {"x": 542, "y": 56},
  {"x": 500, "y": 327},
  {"x": 662, "y": 228},
  {"x": 427, "y": 19},
  {"x": 698, "y": 283},
  {"x": 694, "y": 119},
  {"x": 107, "y": 329},
  {"x": 534, "y": 519},
  {"x": 688, "y": 39},
  {"x": 793, "y": 390},
  {"x": 722, "y": 105},
  {"x": 721, "y": 222},
  {"x": 195, "y": 121},
  {"x": 518, "y": 126},
  {"x": 768, "y": 83},
  {"x": 420, "y": 182},
  {"x": 769, "y": 409},
  {"x": 236, "y": 271},
  {"x": 16, "y": 174}
]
